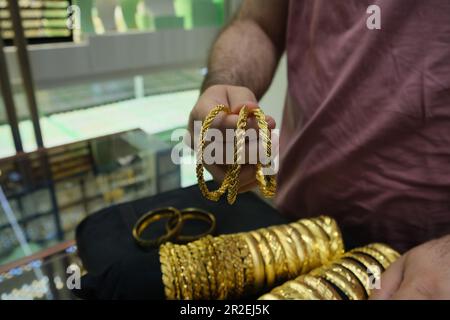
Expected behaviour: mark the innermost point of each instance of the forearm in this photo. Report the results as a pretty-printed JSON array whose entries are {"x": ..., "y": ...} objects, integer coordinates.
[{"x": 247, "y": 53}]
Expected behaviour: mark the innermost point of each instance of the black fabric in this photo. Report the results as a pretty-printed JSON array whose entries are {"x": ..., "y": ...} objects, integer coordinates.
[{"x": 119, "y": 269}]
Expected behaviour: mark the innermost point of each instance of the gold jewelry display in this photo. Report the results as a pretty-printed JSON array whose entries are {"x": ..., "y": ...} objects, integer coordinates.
[
  {"x": 152, "y": 217},
  {"x": 267, "y": 183},
  {"x": 348, "y": 277},
  {"x": 232, "y": 266},
  {"x": 192, "y": 214}
]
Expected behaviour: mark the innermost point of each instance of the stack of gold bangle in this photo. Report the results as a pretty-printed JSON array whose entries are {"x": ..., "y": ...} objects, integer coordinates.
[
  {"x": 232, "y": 266},
  {"x": 352, "y": 277},
  {"x": 267, "y": 183}
]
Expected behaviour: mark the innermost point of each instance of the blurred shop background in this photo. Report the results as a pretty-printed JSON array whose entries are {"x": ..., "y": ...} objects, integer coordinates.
[{"x": 86, "y": 117}]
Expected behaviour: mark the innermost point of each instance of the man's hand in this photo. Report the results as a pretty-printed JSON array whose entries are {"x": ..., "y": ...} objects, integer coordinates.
[
  {"x": 235, "y": 98},
  {"x": 422, "y": 273}
]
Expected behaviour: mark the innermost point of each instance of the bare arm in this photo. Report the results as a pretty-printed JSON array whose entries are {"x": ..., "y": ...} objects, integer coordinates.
[{"x": 247, "y": 52}]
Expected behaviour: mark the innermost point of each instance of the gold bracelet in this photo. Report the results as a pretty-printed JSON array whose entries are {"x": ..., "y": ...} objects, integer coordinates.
[
  {"x": 281, "y": 270},
  {"x": 292, "y": 262},
  {"x": 387, "y": 251},
  {"x": 168, "y": 277},
  {"x": 268, "y": 258},
  {"x": 235, "y": 170},
  {"x": 381, "y": 258},
  {"x": 226, "y": 280},
  {"x": 332, "y": 229},
  {"x": 152, "y": 217},
  {"x": 211, "y": 195},
  {"x": 304, "y": 291},
  {"x": 258, "y": 263},
  {"x": 267, "y": 185},
  {"x": 356, "y": 286},
  {"x": 322, "y": 240},
  {"x": 341, "y": 282},
  {"x": 324, "y": 289},
  {"x": 308, "y": 238},
  {"x": 192, "y": 214},
  {"x": 300, "y": 247},
  {"x": 270, "y": 296},
  {"x": 358, "y": 270},
  {"x": 211, "y": 265},
  {"x": 183, "y": 274},
  {"x": 201, "y": 273}
]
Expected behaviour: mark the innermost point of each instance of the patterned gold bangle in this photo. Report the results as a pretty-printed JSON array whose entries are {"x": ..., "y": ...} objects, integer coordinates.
[
  {"x": 372, "y": 265},
  {"x": 246, "y": 260},
  {"x": 292, "y": 262},
  {"x": 387, "y": 251},
  {"x": 281, "y": 270},
  {"x": 267, "y": 184},
  {"x": 268, "y": 258},
  {"x": 356, "y": 286},
  {"x": 237, "y": 265},
  {"x": 300, "y": 246},
  {"x": 258, "y": 263},
  {"x": 198, "y": 257},
  {"x": 183, "y": 274},
  {"x": 235, "y": 170},
  {"x": 339, "y": 281},
  {"x": 270, "y": 296},
  {"x": 168, "y": 277},
  {"x": 223, "y": 272},
  {"x": 381, "y": 258},
  {"x": 332, "y": 229},
  {"x": 173, "y": 259},
  {"x": 304, "y": 291},
  {"x": 211, "y": 195},
  {"x": 210, "y": 264},
  {"x": 323, "y": 288},
  {"x": 188, "y": 272},
  {"x": 322, "y": 240},
  {"x": 311, "y": 245},
  {"x": 358, "y": 270}
]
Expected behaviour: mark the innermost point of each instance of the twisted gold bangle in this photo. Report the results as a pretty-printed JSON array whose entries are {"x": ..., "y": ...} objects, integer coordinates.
[{"x": 211, "y": 195}]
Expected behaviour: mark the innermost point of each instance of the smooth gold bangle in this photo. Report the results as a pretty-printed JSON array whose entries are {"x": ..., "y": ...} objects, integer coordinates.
[
  {"x": 211, "y": 195},
  {"x": 152, "y": 217},
  {"x": 193, "y": 214}
]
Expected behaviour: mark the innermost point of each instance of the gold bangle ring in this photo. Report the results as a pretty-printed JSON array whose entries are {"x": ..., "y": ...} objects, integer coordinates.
[
  {"x": 192, "y": 214},
  {"x": 152, "y": 217}
]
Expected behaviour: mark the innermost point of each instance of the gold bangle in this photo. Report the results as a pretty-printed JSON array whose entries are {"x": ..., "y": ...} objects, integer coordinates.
[
  {"x": 224, "y": 274},
  {"x": 193, "y": 214},
  {"x": 358, "y": 270},
  {"x": 168, "y": 277},
  {"x": 189, "y": 264},
  {"x": 270, "y": 296},
  {"x": 211, "y": 195},
  {"x": 356, "y": 286},
  {"x": 304, "y": 291},
  {"x": 387, "y": 251},
  {"x": 268, "y": 258},
  {"x": 211, "y": 265},
  {"x": 258, "y": 263},
  {"x": 239, "y": 143},
  {"x": 332, "y": 229},
  {"x": 300, "y": 247},
  {"x": 341, "y": 282},
  {"x": 199, "y": 258},
  {"x": 292, "y": 262},
  {"x": 183, "y": 274},
  {"x": 281, "y": 269},
  {"x": 266, "y": 185},
  {"x": 369, "y": 262},
  {"x": 381, "y": 258},
  {"x": 323, "y": 288},
  {"x": 154, "y": 216},
  {"x": 175, "y": 272},
  {"x": 322, "y": 240},
  {"x": 311, "y": 245}
]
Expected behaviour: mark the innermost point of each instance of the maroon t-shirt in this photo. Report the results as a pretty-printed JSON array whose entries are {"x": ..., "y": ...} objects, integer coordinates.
[{"x": 366, "y": 130}]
